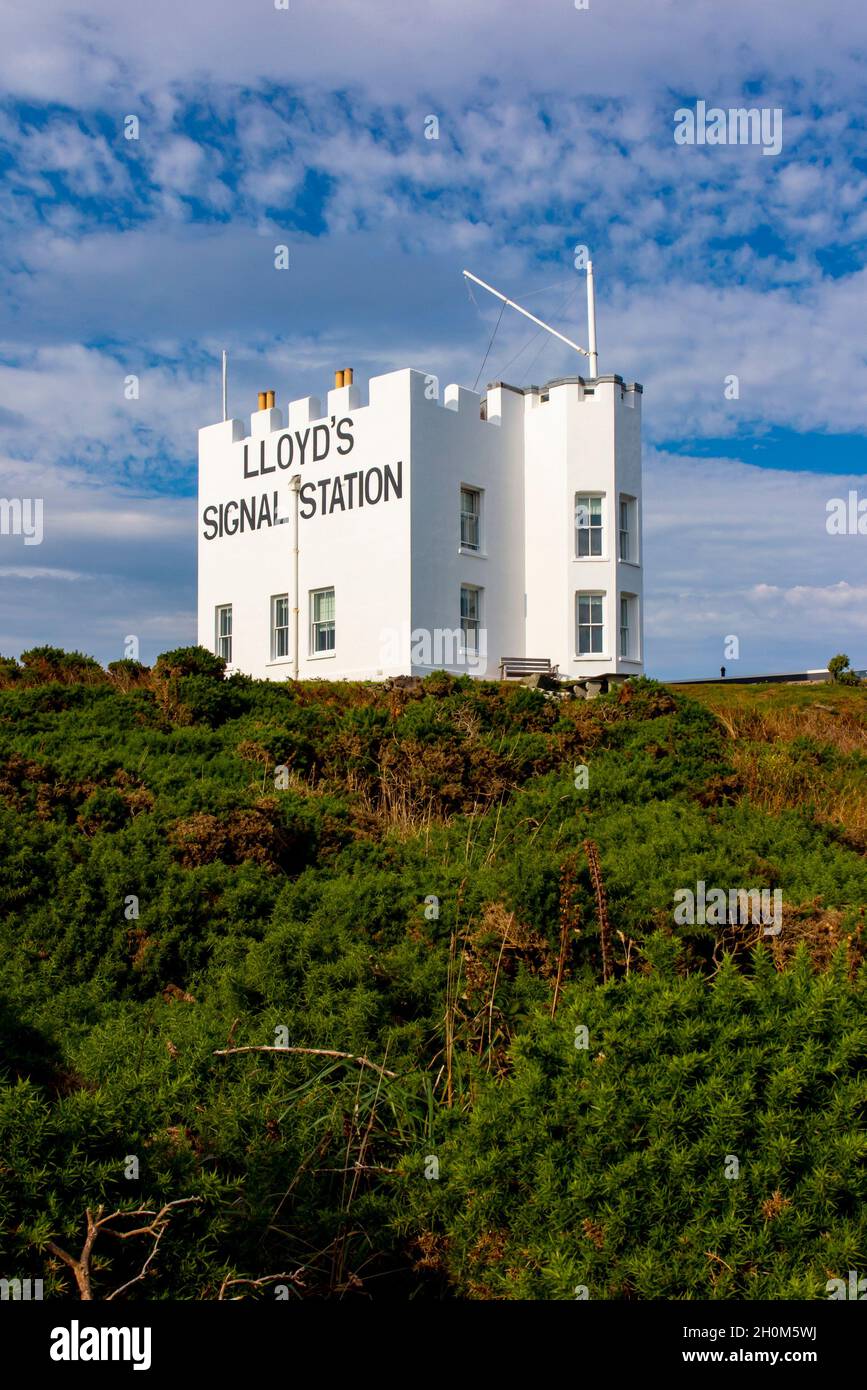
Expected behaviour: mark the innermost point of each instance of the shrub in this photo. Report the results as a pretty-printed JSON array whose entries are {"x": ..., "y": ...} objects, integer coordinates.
[
  {"x": 841, "y": 674},
  {"x": 189, "y": 661}
]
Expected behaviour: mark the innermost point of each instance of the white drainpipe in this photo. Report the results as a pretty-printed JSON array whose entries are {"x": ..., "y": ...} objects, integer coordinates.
[{"x": 295, "y": 488}]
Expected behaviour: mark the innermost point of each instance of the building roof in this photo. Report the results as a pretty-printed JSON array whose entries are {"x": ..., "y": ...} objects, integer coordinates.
[{"x": 566, "y": 381}]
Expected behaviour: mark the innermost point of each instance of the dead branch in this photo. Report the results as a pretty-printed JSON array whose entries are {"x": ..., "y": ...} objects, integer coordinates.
[
  {"x": 100, "y": 1224},
  {"x": 308, "y": 1052},
  {"x": 296, "y": 1279}
]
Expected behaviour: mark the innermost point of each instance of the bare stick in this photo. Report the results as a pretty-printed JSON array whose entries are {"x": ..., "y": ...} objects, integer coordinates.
[
  {"x": 308, "y": 1052},
  {"x": 295, "y": 1278},
  {"x": 99, "y": 1224}
]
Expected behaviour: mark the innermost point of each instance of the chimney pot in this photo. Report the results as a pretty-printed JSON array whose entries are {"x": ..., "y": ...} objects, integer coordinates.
[
  {"x": 263, "y": 396},
  {"x": 269, "y": 400},
  {"x": 338, "y": 379},
  {"x": 347, "y": 377}
]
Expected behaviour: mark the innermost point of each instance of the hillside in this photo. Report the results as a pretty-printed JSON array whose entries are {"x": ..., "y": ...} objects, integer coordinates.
[{"x": 416, "y": 878}]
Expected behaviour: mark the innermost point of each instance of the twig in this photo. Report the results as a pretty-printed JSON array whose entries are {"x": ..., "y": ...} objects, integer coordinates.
[
  {"x": 711, "y": 1256},
  {"x": 308, "y": 1052},
  {"x": 295, "y": 1278},
  {"x": 95, "y": 1224}
]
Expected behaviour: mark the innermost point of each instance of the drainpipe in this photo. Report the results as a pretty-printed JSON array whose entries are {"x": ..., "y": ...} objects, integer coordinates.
[{"x": 295, "y": 489}]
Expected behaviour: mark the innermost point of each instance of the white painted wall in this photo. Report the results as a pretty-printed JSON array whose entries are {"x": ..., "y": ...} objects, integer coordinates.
[
  {"x": 584, "y": 439},
  {"x": 452, "y": 446},
  {"x": 396, "y": 565}
]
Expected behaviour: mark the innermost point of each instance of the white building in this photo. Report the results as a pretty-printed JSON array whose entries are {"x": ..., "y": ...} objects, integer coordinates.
[{"x": 409, "y": 534}]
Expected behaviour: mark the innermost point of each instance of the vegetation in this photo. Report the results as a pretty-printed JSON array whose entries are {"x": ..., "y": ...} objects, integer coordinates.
[
  {"x": 840, "y": 670},
  {"x": 304, "y": 983}
]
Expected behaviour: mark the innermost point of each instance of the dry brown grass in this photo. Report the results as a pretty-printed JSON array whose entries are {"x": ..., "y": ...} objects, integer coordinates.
[
  {"x": 839, "y": 726},
  {"x": 798, "y": 747},
  {"x": 822, "y": 930}
]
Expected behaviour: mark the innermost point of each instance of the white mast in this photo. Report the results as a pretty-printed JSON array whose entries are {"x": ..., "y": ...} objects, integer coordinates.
[
  {"x": 225, "y": 384},
  {"x": 591, "y": 321},
  {"x": 591, "y": 316}
]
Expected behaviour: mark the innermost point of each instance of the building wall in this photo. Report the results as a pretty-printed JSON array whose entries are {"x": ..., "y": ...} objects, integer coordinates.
[
  {"x": 452, "y": 446},
  {"x": 395, "y": 562},
  {"x": 585, "y": 439},
  {"x": 362, "y": 552},
  {"x": 630, "y": 574}
]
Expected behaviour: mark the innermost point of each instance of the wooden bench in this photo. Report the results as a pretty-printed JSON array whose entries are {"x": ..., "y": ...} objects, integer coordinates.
[{"x": 513, "y": 667}]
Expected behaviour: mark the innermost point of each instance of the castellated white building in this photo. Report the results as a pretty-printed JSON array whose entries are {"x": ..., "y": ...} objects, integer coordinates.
[{"x": 422, "y": 530}]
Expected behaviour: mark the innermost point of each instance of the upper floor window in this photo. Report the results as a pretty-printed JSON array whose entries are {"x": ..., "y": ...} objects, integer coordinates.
[
  {"x": 321, "y": 621},
  {"x": 588, "y": 525},
  {"x": 224, "y": 632},
  {"x": 628, "y": 537},
  {"x": 471, "y": 518}
]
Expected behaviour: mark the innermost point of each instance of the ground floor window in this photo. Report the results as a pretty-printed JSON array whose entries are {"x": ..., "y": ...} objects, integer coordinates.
[
  {"x": 471, "y": 617},
  {"x": 279, "y": 626},
  {"x": 224, "y": 632},
  {"x": 591, "y": 623},
  {"x": 628, "y": 626},
  {"x": 321, "y": 621}
]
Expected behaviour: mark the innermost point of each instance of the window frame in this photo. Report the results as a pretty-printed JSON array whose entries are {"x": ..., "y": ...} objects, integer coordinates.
[
  {"x": 592, "y": 594},
  {"x": 478, "y": 591},
  {"x": 278, "y": 628},
  {"x": 314, "y": 653},
  {"x": 219, "y": 636},
  {"x": 631, "y": 532},
  {"x": 633, "y": 629},
  {"x": 601, "y": 530},
  {"x": 466, "y": 547},
  {"x": 624, "y": 627}
]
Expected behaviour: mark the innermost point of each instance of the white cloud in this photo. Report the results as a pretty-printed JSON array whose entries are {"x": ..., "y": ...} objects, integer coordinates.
[
  {"x": 733, "y": 549},
  {"x": 555, "y": 129}
]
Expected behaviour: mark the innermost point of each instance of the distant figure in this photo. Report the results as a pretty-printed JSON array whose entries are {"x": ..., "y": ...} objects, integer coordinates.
[{"x": 722, "y": 671}]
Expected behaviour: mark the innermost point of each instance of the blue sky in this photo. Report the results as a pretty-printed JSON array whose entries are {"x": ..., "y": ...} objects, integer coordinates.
[{"x": 306, "y": 126}]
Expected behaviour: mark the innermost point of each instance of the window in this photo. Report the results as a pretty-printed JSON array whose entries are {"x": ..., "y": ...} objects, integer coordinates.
[
  {"x": 224, "y": 632},
  {"x": 471, "y": 518},
  {"x": 628, "y": 627},
  {"x": 590, "y": 624},
  {"x": 279, "y": 626},
  {"x": 628, "y": 538},
  {"x": 471, "y": 618},
  {"x": 588, "y": 526},
  {"x": 321, "y": 621}
]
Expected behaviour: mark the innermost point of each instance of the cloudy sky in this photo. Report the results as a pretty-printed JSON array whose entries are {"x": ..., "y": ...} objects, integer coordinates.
[{"x": 305, "y": 125}]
